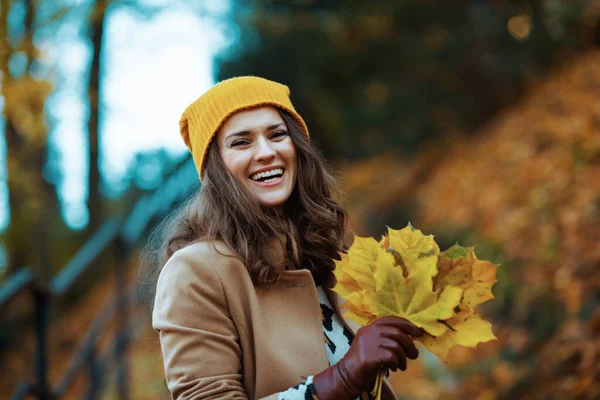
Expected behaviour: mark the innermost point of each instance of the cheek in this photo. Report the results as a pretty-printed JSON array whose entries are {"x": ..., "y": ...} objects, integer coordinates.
[
  {"x": 289, "y": 152},
  {"x": 235, "y": 165}
]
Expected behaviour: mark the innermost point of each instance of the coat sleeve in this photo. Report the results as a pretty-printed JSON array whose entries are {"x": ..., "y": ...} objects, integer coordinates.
[{"x": 199, "y": 341}]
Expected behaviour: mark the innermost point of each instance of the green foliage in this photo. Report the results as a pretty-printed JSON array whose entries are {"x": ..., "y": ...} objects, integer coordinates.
[{"x": 370, "y": 76}]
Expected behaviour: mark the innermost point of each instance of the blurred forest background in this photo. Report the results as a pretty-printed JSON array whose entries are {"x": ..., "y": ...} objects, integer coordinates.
[{"x": 477, "y": 121}]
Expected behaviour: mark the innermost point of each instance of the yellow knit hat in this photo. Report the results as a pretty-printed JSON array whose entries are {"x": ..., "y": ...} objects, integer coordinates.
[{"x": 203, "y": 118}]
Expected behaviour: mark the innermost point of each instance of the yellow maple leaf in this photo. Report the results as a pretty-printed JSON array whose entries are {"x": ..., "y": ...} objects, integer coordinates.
[
  {"x": 384, "y": 288},
  {"x": 414, "y": 251},
  {"x": 354, "y": 280},
  {"x": 459, "y": 266},
  {"x": 412, "y": 298},
  {"x": 346, "y": 284},
  {"x": 470, "y": 332},
  {"x": 405, "y": 275},
  {"x": 362, "y": 260},
  {"x": 358, "y": 310}
]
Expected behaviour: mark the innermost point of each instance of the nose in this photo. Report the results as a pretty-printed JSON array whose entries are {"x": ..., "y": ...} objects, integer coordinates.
[{"x": 264, "y": 150}]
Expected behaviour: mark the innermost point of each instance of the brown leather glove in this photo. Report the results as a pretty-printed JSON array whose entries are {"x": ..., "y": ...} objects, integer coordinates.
[{"x": 385, "y": 343}]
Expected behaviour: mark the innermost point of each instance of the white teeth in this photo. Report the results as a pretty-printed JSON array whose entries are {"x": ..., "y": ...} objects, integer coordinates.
[{"x": 276, "y": 171}]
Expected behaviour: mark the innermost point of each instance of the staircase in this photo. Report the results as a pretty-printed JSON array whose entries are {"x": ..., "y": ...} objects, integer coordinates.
[{"x": 86, "y": 353}]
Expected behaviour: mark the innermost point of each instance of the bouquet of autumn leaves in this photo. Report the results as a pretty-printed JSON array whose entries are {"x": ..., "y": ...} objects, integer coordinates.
[{"x": 406, "y": 275}]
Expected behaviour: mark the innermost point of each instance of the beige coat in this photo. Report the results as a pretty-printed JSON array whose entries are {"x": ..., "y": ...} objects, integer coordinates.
[{"x": 222, "y": 337}]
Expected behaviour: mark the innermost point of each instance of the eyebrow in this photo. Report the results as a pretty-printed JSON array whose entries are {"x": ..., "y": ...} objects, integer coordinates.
[{"x": 246, "y": 133}]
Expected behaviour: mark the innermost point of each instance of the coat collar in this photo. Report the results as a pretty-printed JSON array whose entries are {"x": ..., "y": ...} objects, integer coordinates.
[{"x": 276, "y": 255}]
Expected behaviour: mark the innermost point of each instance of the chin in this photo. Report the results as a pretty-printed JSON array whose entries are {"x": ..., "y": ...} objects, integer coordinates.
[{"x": 273, "y": 201}]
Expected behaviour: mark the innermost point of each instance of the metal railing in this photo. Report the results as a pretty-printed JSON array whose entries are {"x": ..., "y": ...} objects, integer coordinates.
[{"x": 118, "y": 236}]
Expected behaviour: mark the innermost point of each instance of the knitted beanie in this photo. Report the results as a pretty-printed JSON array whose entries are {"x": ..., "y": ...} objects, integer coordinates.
[{"x": 203, "y": 118}]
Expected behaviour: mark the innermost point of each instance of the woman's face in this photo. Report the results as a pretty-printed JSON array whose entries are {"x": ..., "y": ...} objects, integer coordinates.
[{"x": 258, "y": 152}]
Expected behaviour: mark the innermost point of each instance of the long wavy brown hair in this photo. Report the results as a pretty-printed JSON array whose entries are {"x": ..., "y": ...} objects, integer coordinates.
[{"x": 311, "y": 227}]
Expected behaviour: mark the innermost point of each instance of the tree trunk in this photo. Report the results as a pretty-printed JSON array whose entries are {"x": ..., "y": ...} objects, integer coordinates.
[
  {"x": 94, "y": 201},
  {"x": 32, "y": 200}
]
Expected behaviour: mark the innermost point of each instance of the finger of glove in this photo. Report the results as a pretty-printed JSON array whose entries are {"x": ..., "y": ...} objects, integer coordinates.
[
  {"x": 401, "y": 323},
  {"x": 387, "y": 344},
  {"x": 403, "y": 339},
  {"x": 389, "y": 359}
]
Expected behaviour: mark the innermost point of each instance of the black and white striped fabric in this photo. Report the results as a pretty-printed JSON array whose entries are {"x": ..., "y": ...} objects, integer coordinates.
[{"x": 337, "y": 343}]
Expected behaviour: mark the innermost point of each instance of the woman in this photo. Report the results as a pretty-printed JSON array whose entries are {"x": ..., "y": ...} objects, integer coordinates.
[{"x": 243, "y": 303}]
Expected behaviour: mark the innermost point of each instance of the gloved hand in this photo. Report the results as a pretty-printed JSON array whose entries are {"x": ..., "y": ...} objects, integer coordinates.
[{"x": 385, "y": 343}]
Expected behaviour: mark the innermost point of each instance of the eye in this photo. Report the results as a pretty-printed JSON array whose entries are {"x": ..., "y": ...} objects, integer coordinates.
[
  {"x": 239, "y": 142},
  {"x": 279, "y": 134}
]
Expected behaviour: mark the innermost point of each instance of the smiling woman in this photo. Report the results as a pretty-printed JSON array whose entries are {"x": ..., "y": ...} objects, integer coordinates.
[
  {"x": 257, "y": 150},
  {"x": 243, "y": 302}
]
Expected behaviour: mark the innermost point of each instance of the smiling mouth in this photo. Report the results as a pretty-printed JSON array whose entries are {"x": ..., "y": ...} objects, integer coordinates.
[{"x": 267, "y": 176}]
